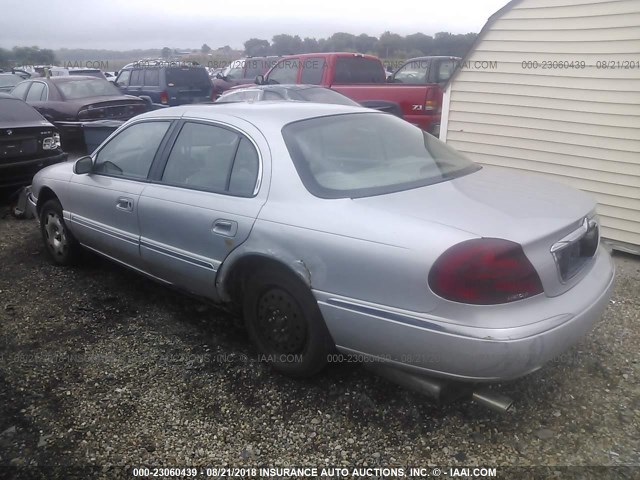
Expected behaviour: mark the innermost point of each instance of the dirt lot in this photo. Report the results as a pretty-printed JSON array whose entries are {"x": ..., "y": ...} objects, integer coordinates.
[{"x": 101, "y": 367}]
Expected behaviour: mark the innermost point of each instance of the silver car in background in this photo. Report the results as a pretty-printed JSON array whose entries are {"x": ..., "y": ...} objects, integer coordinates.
[{"x": 337, "y": 227}]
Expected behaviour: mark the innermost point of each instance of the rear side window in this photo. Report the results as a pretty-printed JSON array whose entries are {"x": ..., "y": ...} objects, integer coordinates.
[
  {"x": 15, "y": 110},
  {"x": 152, "y": 77},
  {"x": 123, "y": 78},
  {"x": 212, "y": 158},
  {"x": 312, "y": 69},
  {"x": 137, "y": 77},
  {"x": 131, "y": 152},
  {"x": 187, "y": 76},
  {"x": 358, "y": 70}
]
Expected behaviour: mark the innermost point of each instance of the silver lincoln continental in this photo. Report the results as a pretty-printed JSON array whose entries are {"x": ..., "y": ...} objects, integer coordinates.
[{"x": 339, "y": 230}]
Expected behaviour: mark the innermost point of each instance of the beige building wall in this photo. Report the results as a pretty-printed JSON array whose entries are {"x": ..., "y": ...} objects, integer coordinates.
[{"x": 519, "y": 103}]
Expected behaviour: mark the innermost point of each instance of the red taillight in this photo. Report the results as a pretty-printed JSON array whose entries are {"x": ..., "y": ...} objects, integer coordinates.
[
  {"x": 164, "y": 97},
  {"x": 430, "y": 103},
  {"x": 484, "y": 271}
]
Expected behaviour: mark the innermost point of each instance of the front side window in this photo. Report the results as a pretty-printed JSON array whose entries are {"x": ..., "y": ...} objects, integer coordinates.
[
  {"x": 131, "y": 152},
  {"x": 212, "y": 158},
  {"x": 360, "y": 155},
  {"x": 285, "y": 71},
  {"x": 123, "y": 78},
  {"x": 20, "y": 90},
  {"x": 413, "y": 73}
]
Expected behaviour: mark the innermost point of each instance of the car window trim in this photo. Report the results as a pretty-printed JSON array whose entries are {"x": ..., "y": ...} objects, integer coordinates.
[
  {"x": 163, "y": 160},
  {"x": 95, "y": 154}
]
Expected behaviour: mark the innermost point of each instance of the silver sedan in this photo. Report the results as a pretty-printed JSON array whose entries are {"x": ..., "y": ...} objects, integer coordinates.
[{"x": 339, "y": 231}]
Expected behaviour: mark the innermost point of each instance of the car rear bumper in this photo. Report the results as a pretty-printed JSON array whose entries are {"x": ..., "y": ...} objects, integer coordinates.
[
  {"x": 433, "y": 346},
  {"x": 20, "y": 173}
]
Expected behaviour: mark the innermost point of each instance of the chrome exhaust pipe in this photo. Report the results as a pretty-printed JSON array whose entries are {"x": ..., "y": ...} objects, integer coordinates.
[
  {"x": 430, "y": 387},
  {"x": 494, "y": 401},
  {"x": 443, "y": 390}
]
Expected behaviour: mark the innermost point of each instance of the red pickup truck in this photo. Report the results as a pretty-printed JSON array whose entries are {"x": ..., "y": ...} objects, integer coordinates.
[{"x": 416, "y": 87}]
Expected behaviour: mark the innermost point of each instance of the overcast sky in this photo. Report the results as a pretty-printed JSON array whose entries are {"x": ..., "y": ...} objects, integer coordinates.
[{"x": 130, "y": 24}]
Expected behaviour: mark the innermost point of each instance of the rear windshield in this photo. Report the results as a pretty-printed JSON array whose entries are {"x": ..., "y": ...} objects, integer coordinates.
[
  {"x": 90, "y": 87},
  {"x": 358, "y": 70},
  {"x": 17, "y": 111},
  {"x": 366, "y": 154},
  {"x": 9, "y": 80},
  {"x": 88, "y": 73},
  {"x": 187, "y": 76}
]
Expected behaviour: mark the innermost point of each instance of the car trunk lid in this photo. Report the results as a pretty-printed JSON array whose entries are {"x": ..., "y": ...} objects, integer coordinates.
[
  {"x": 540, "y": 215},
  {"x": 24, "y": 142},
  {"x": 117, "y": 108}
]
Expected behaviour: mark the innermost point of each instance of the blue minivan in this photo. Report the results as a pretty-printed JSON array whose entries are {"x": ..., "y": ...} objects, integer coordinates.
[{"x": 166, "y": 83}]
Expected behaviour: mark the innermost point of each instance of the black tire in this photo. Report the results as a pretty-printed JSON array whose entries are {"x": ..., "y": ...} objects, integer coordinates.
[
  {"x": 277, "y": 298},
  {"x": 61, "y": 245}
]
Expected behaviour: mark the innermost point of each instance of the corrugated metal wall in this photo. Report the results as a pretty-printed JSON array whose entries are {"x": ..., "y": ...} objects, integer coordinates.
[{"x": 580, "y": 126}]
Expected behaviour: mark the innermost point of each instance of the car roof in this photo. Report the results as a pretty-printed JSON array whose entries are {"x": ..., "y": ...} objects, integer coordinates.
[{"x": 261, "y": 114}]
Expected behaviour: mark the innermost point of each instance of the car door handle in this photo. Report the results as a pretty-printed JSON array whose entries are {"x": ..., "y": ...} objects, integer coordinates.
[
  {"x": 124, "y": 203},
  {"x": 228, "y": 228}
]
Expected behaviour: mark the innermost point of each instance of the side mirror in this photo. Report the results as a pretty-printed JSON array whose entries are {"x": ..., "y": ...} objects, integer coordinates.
[
  {"x": 83, "y": 165},
  {"x": 259, "y": 80}
]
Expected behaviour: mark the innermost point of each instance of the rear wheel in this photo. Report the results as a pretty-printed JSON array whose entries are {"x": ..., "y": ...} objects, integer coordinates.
[
  {"x": 285, "y": 323},
  {"x": 60, "y": 243}
]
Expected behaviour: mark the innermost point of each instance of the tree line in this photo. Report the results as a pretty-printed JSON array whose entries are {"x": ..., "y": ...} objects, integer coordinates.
[
  {"x": 26, "y": 56},
  {"x": 388, "y": 45}
]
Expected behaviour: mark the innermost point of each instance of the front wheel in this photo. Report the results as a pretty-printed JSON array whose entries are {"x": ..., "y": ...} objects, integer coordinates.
[
  {"x": 285, "y": 323},
  {"x": 60, "y": 243}
]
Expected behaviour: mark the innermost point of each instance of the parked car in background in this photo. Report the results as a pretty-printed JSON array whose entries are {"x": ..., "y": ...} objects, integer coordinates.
[
  {"x": 28, "y": 142},
  {"x": 8, "y": 81},
  {"x": 166, "y": 83},
  {"x": 363, "y": 78},
  {"x": 301, "y": 93},
  {"x": 334, "y": 226},
  {"x": 69, "y": 101},
  {"x": 425, "y": 70},
  {"x": 242, "y": 72},
  {"x": 88, "y": 72},
  {"x": 298, "y": 93}
]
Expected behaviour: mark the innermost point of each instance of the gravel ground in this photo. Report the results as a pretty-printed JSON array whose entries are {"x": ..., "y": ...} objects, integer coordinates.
[{"x": 99, "y": 366}]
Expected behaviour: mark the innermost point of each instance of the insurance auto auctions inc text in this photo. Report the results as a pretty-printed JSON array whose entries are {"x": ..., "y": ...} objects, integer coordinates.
[{"x": 358, "y": 472}]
